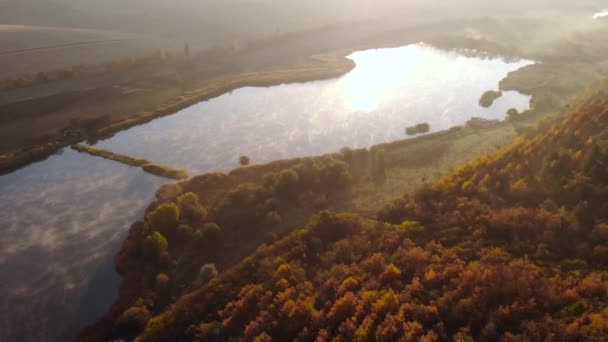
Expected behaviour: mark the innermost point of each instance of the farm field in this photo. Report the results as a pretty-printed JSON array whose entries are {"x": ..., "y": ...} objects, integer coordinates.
[{"x": 31, "y": 49}]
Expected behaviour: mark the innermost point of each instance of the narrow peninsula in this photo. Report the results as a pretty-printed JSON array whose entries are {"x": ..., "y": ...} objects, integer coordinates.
[{"x": 147, "y": 166}]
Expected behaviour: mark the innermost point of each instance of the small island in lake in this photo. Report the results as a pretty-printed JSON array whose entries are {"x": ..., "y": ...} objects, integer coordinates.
[
  {"x": 488, "y": 98},
  {"x": 418, "y": 129}
]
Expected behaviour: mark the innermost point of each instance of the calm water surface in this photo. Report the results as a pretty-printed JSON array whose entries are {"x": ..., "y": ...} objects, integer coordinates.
[
  {"x": 59, "y": 221},
  {"x": 389, "y": 90},
  {"x": 62, "y": 220}
]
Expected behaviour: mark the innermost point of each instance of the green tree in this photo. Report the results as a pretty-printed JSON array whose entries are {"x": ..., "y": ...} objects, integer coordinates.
[
  {"x": 154, "y": 245},
  {"x": 286, "y": 182},
  {"x": 132, "y": 321},
  {"x": 244, "y": 160},
  {"x": 190, "y": 208},
  {"x": 207, "y": 272},
  {"x": 164, "y": 217},
  {"x": 512, "y": 114},
  {"x": 211, "y": 231}
]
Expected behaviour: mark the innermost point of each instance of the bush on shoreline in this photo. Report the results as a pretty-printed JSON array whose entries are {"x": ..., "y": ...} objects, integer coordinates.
[
  {"x": 488, "y": 98},
  {"x": 418, "y": 129}
]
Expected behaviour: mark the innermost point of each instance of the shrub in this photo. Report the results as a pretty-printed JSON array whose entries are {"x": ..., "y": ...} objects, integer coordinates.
[
  {"x": 154, "y": 245},
  {"x": 488, "y": 98},
  {"x": 418, "y": 129},
  {"x": 207, "y": 272},
  {"x": 349, "y": 284},
  {"x": 132, "y": 321},
  {"x": 244, "y": 160},
  {"x": 164, "y": 217},
  {"x": 270, "y": 238},
  {"x": 184, "y": 231},
  {"x": 164, "y": 171},
  {"x": 263, "y": 337},
  {"x": 330, "y": 227},
  {"x": 320, "y": 202},
  {"x": 286, "y": 181},
  {"x": 190, "y": 208},
  {"x": 211, "y": 231},
  {"x": 273, "y": 218},
  {"x": 162, "y": 280},
  {"x": 391, "y": 273},
  {"x": 512, "y": 114},
  {"x": 573, "y": 264},
  {"x": 334, "y": 173},
  {"x": 389, "y": 302},
  {"x": 343, "y": 308},
  {"x": 573, "y": 310}
]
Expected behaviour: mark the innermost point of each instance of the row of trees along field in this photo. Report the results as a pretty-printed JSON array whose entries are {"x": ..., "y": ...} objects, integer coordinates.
[
  {"x": 76, "y": 71},
  {"x": 511, "y": 247}
]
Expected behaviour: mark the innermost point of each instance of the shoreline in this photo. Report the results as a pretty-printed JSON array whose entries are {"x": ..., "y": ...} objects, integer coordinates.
[{"x": 318, "y": 68}]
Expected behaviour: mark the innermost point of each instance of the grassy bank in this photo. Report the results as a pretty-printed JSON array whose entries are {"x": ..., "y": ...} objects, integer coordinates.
[
  {"x": 147, "y": 166},
  {"x": 15, "y": 160},
  {"x": 314, "y": 68}
]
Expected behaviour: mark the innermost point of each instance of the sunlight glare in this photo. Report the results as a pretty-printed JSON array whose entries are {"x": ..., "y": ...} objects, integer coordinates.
[
  {"x": 380, "y": 73},
  {"x": 365, "y": 104},
  {"x": 600, "y": 14}
]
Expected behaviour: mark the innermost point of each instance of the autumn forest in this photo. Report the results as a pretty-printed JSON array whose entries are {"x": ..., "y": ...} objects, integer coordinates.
[{"x": 510, "y": 247}]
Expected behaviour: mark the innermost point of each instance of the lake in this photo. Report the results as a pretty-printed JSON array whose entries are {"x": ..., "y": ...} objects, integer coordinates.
[
  {"x": 388, "y": 90},
  {"x": 63, "y": 219}
]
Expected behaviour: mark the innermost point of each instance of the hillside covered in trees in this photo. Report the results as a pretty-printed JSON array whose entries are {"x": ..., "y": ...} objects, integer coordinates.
[{"x": 512, "y": 247}]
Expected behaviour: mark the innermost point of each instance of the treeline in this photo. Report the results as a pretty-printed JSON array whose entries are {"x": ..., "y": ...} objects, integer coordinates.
[
  {"x": 544, "y": 197},
  {"x": 511, "y": 247},
  {"x": 76, "y": 71},
  {"x": 345, "y": 278}
]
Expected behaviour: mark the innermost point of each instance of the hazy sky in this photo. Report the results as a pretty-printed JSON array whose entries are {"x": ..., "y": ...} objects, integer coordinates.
[{"x": 226, "y": 19}]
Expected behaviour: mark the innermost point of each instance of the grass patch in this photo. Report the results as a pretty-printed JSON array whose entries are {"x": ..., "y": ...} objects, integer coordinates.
[{"x": 110, "y": 155}]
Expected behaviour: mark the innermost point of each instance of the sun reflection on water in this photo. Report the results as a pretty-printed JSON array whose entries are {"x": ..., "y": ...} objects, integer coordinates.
[
  {"x": 380, "y": 73},
  {"x": 601, "y": 14},
  {"x": 364, "y": 103}
]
